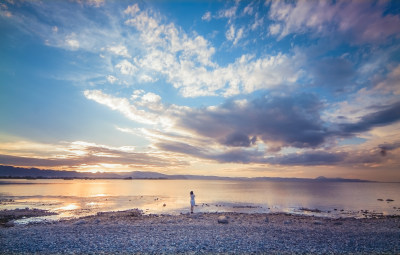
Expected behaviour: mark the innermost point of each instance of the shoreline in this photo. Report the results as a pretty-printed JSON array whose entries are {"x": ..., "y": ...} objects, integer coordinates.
[{"x": 132, "y": 231}]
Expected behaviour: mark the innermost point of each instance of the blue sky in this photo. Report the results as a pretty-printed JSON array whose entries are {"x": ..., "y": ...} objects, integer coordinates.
[{"x": 227, "y": 88}]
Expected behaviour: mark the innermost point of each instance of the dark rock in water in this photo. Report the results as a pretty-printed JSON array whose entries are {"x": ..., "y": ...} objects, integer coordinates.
[
  {"x": 318, "y": 222},
  {"x": 80, "y": 222},
  {"x": 288, "y": 222},
  {"x": 266, "y": 220},
  {"x": 338, "y": 223},
  {"x": 9, "y": 224},
  {"x": 223, "y": 219}
]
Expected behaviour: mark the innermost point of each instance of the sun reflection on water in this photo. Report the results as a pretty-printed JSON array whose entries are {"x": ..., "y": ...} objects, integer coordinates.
[{"x": 68, "y": 207}]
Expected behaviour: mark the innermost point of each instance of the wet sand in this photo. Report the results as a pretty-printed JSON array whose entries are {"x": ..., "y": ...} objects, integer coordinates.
[{"x": 201, "y": 233}]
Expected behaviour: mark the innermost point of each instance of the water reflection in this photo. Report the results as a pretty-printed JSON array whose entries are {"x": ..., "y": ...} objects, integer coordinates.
[
  {"x": 68, "y": 207},
  {"x": 84, "y": 197}
]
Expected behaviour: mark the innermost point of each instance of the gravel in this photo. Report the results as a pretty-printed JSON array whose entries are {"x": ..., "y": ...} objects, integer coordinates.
[{"x": 200, "y": 233}]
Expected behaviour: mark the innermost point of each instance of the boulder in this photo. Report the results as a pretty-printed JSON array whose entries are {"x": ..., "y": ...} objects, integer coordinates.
[
  {"x": 223, "y": 219},
  {"x": 9, "y": 224}
]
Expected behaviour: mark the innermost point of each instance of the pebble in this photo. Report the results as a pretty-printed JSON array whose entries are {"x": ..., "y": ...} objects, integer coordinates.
[
  {"x": 223, "y": 219},
  {"x": 318, "y": 222},
  {"x": 182, "y": 234},
  {"x": 80, "y": 222}
]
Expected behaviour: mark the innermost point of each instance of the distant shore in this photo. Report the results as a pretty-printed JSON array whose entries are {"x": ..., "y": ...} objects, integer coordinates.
[{"x": 132, "y": 232}]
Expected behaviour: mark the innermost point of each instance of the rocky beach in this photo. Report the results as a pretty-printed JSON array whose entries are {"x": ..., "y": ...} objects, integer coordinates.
[{"x": 199, "y": 233}]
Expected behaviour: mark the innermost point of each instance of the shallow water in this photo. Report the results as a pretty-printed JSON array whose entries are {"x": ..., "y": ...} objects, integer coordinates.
[{"x": 75, "y": 198}]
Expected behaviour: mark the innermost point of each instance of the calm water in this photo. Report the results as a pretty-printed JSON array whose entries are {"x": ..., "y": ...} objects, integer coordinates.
[{"x": 71, "y": 198}]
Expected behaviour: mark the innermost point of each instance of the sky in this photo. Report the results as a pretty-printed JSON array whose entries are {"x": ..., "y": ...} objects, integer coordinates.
[{"x": 226, "y": 88}]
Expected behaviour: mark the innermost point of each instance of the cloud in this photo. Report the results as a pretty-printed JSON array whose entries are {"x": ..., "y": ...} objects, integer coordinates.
[
  {"x": 119, "y": 50},
  {"x": 233, "y": 34},
  {"x": 358, "y": 21},
  {"x": 274, "y": 29},
  {"x": 123, "y": 106},
  {"x": 288, "y": 121},
  {"x": 132, "y": 10},
  {"x": 239, "y": 140},
  {"x": 386, "y": 147},
  {"x": 249, "y": 9},
  {"x": 385, "y": 115},
  {"x": 228, "y": 13},
  {"x": 187, "y": 61},
  {"x": 206, "y": 16},
  {"x": 71, "y": 42},
  {"x": 112, "y": 79},
  {"x": 126, "y": 67},
  {"x": 83, "y": 153},
  {"x": 309, "y": 158},
  {"x": 391, "y": 83}
]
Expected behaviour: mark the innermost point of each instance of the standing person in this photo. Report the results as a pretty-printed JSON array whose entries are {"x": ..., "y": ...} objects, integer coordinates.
[{"x": 192, "y": 202}]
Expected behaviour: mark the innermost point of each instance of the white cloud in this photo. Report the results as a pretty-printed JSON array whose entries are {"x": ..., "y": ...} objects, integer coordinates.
[
  {"x": 248, "y": 9},
  {"x": 233, "y": 34},
  {"x": 274, "y": 29},
  {"x": 206, "y": 16},
  {"x": 126, "y": 67},
  {"x": 238, "y": 36},
  {"x": 111, "y": 79},
  {"x": 146, "y": 78},
  {"x": 187, "y": 63},
  {"x": 132, "y": 10},
  {"x": 136, "y": 94},
  {"x": 72, "y": 42},
  {"x": 257, "y": 22},
  {"x": 152, "y": 102},
  {"x": 230, "y": 33},
  {"x": 122, "y": 105},
  {"x": 119, "y": 50},
  {"x": 228, "y": 13}
]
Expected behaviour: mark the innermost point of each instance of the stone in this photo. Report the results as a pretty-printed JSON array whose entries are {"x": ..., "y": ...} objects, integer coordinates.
[
  {"x": 9, "y": 224},
  {"x": 80, "y": 222},
  {"x": 223, "y": 219},
  {"x": 318, "y": 222},
  {"x": 266, "y": 220}
]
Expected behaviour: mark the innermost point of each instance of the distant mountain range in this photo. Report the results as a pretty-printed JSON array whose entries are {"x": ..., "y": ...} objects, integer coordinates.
[{"x": 30, "y": 173}]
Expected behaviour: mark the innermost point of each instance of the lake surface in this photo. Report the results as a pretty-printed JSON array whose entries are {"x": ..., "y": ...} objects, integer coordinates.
[{"x": 74, "y": 198}]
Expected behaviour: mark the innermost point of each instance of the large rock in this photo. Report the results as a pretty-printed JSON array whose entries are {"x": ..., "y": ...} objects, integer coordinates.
[
  {"x": 223, "y": 219},
  {"x": 9, "y": 224}
]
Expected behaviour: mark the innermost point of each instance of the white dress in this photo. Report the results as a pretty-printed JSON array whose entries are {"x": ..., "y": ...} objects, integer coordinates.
[{"x": 192, "y": 202}]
